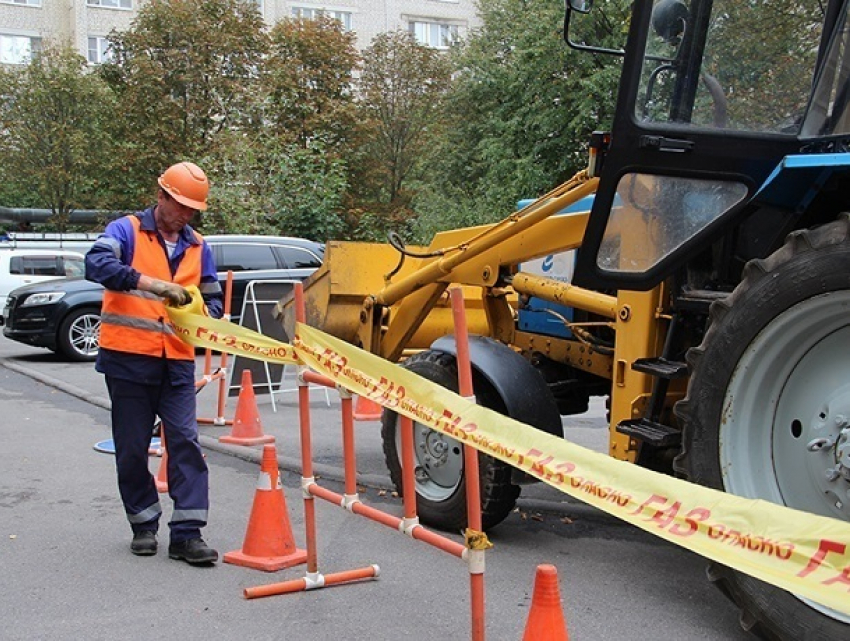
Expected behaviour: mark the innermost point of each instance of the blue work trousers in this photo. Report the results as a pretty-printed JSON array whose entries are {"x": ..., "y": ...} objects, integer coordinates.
[{"x": 135, "y": 407}]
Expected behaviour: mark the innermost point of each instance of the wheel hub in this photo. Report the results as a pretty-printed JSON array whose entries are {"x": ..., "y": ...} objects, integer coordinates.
[
  {"x": 439, "y": 464},
  {"x": 786, "y": 430},
  {"x": 85, "y": 334},
  {"x": 842, "y": 452},
  {"x": 832, "y": 453},
  {"x": 435, "y": 447}
]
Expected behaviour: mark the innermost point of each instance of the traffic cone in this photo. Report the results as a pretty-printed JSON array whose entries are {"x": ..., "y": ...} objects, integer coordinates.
[
  {"x": 366, "y": 410},
  {"x": 269, "y": 544},
  {"x": 162, "y": 474},
  {"x": 247, "y": 428},
  {"x": 546, "y": 619}
]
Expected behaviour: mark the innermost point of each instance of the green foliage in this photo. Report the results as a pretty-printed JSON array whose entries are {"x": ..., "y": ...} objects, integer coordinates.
[
  {"x": 185, "y": 72},
  {"x": 441, "y": 207},
  {"x": 13, "y": 193},
  {"x": 312, "y": 131},
  {"x": 54, "y": 133},
  {"x": 238, "y": 171},
  {"x": 521, "y": 108},
  {"x": 307, "y": 189},
  {"x": 307, "y": 80},
  {"x": 262, "y": 185},
  {"x": 295, "y": 143},
  {"x": 401, "y": 90},
  {"x": 268, "y": 115}
]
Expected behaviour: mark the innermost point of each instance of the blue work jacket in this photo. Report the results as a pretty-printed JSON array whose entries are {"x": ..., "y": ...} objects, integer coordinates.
[{"x": 108, "y": 263}]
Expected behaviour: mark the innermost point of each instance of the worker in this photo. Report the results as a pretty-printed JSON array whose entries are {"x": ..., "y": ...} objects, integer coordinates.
[{"x": 145, "y": 261}]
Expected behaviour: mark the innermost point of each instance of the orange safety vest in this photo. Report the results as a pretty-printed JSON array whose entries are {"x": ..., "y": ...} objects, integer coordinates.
[{"x": 135, "y": 321}]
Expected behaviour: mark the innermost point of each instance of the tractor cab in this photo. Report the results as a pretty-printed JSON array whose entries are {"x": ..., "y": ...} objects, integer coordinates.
[{"x": 714, "y": 95}]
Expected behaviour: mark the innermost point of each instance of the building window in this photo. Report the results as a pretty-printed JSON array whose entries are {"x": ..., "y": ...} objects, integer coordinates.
[
  {"x": 111, "y": 4},
  {"x": 308, "y": 13},
  {"x": 29, "y": 3},
  {"x": 18, "y": 50},
  {"x": 435, "y": 34},
  {"x": 99, "y": 51}
]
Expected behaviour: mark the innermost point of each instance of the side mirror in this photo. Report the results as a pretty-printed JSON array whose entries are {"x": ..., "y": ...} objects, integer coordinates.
[
  {"x": 583, "y": 7},
  {"x": 580, "y": 6},
  {"x": 669, "y": 18}
]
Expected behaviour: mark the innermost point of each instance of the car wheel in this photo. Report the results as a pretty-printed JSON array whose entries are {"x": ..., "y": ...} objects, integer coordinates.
[{"x": 79, "y": 334}]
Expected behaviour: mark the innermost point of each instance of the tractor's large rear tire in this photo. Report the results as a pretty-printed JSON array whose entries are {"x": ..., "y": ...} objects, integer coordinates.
[
  {"x": 440, "y": 478},
  {"x": 769, "y": 383}
]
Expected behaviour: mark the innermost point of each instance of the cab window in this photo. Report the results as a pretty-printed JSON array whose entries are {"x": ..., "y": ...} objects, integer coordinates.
[{"x": 745, "y": 66}]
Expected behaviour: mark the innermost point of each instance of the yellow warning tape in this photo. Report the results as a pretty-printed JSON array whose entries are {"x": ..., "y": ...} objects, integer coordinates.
[
  {"x": 797, "y": 551},
  {"x": 198, "y": 329},
  {"x": 476, "y": 539}
]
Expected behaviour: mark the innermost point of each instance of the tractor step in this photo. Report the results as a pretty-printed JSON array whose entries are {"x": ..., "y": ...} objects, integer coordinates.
[
  {"x": 661, "y": 368},
  {"x": 650, "y": 432},
  {"x": 698, "y": 300}
]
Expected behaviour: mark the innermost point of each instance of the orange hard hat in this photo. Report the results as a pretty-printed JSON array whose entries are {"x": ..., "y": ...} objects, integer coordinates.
[{"x": 187, "y": 184}]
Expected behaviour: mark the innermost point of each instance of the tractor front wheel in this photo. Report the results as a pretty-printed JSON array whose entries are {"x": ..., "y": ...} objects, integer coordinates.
[{"x": 440, "y": 478}]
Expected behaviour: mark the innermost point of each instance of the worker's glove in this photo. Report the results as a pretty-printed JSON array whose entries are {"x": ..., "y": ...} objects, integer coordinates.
[{"x": 174, "y": 294}]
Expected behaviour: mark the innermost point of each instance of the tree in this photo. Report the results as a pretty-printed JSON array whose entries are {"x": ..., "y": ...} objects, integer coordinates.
[
  {"x": 185, "y": 72},
  {"x": 238, "y": 168},
  {"x": 289, "y": 175},
  {"x": 307, "y": 187},
  {"x": 307, "y": 81},
  {"x": 263, "y": 184},
  {"x": 521, "y": 109},
  {"x": 312, "y": 131},
  {"x": 54, "y": 132},
  {"x": 401, "y": 90}
]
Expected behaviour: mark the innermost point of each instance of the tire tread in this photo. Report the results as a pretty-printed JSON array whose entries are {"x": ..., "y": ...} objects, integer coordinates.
[
  {"x": 498, "y": 494},
  {"x": 757, "y": 610}
]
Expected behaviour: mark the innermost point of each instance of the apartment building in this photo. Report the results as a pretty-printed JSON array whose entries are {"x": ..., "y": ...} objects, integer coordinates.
[{"x": 26, "y": 24}]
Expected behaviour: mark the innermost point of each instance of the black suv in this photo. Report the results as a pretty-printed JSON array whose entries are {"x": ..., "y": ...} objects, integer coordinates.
[{"x": 63, "y": 315}]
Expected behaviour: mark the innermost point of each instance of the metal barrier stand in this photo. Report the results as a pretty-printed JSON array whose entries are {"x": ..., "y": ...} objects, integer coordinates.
[
  {"x": 221, "y": 372},
  {"x": 476, "y": 542},
  {"x": 253, "y": 301}
]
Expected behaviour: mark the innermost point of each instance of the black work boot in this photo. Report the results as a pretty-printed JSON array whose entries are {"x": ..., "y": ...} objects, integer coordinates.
[
  {"x": 144, "y": 543},
  {"x": 193, "y": 551}
]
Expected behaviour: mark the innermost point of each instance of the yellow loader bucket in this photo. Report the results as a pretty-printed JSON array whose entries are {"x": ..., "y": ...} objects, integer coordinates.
[{"x": 335, "y": 294}]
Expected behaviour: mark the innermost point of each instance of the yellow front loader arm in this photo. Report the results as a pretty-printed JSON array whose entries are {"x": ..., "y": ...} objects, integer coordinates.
[
  {"x": 372, "y": 296},
  {"x": 389, "y": 303}
]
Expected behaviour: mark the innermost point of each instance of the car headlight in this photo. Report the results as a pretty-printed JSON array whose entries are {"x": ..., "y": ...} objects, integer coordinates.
[{"x": 42, "y": 299}]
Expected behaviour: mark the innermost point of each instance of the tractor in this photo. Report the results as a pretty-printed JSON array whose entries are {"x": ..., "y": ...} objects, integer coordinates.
[{"x": 708, "y": 294}]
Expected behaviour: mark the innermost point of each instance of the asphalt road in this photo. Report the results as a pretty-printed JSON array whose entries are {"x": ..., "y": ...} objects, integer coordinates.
[{"x": 67, "y": 572}]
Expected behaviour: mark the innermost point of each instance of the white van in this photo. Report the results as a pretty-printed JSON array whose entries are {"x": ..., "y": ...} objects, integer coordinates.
[{"x": 23, "y": 266}]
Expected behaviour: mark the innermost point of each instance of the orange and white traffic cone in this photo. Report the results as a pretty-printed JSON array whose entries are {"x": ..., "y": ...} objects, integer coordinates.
[
  {"x": 247, "y": 428},
  {"x": 269, "y": 544},
  {"x": 546, "y": 618},
  {"x": 162, "y": 474},
  {"x": 366, "y": 410}
]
